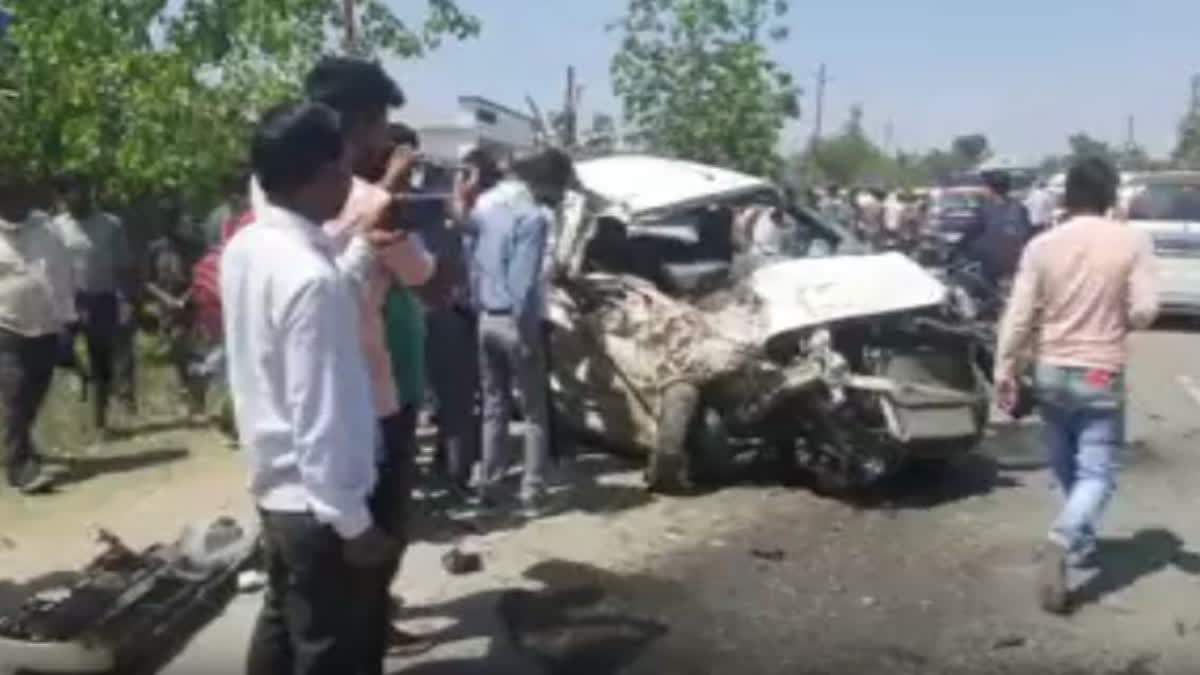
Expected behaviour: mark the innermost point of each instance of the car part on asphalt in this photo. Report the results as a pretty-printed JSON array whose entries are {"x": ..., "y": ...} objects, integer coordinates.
[{"x": 124, "y": 608}]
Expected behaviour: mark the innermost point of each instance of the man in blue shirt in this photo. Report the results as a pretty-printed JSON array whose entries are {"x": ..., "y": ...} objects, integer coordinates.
[
  {"x": 511, "y": 226},
  {"x": 999, "y": 231}
]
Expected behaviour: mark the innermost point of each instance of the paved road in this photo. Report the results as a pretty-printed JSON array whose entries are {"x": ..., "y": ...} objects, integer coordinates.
[{"x": 935, "y": 578}]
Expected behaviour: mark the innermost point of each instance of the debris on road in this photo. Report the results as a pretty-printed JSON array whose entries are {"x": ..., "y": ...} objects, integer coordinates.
[
  {"x": 772, "y": 554},
  {"x": 251, "y": 581},
  {"x": 458, "y": 563},
  {"x": 1009, "y": 642},
  {"x": 124, "y": 604}
]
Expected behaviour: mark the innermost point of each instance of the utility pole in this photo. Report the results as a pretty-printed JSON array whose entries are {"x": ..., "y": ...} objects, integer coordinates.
[
  {"x": 570, "y": 114},
  {"x": 1194, "y": 108},
  {"x": 348, "y": 37},
  {"x": 822, "y": 80},
  {"x": 1130, "y": 136}
]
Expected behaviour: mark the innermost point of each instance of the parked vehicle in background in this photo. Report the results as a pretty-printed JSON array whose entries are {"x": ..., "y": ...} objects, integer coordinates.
[
  {"x": 952, "y": 209},
  {"x": 1167, "y": 206}
]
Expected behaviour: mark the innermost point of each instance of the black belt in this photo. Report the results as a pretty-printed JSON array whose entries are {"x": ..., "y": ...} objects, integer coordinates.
[{"x": 498, "y": 312}]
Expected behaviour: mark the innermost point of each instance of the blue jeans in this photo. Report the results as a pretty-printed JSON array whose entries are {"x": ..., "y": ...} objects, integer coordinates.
[
  {"x": 1084, "y": 416},
  {"x": 511, "y": 353}
]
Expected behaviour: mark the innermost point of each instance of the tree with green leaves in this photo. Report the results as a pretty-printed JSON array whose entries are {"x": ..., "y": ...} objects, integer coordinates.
[
  {"x": 972, "y": 148},
  {"x": 1083, "y": 146},
  {"x": 1187, "y": 148},
  {"x": 151, "y": 100},
  {"x": 697, "y": 80}
]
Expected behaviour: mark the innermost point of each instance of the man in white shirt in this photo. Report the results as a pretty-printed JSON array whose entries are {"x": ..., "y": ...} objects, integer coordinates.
[
  {"x": 301, "y": 393},
  {"x": 36, "y": 304},
  {"x": 893, "y": 212},
  {"x": 104, "y": 271},
  {"x": 1040, "y": 204}
]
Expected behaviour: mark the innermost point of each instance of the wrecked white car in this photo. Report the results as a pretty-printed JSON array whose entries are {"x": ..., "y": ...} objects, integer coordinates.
[{"x": 678, "y": 333}]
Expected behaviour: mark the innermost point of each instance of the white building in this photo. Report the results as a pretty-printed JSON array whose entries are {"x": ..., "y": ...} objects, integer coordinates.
[{"x": 479, "y": 122}]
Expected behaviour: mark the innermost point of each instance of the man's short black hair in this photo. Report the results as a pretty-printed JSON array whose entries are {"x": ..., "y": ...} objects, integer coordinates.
[
  {"x": 1091, "y": 186},
  {"x": 997, "y": 181},
  {"x": 353, "y": 87},
  {"x": 550, "y": 167},
  {"x": 489, "y": 173},
  {"x": 402, "y": 134},
  {"x": 293, "y": 142}
]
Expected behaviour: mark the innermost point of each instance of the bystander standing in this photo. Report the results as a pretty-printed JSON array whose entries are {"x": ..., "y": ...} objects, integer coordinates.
[
  {"x": 302, "y": 394},
  {"x": 511, "y": 226},
  {"x": 361, "y": 92},
  {"x": 105, "y": 279},
  {"x": 36, "y": 306}
]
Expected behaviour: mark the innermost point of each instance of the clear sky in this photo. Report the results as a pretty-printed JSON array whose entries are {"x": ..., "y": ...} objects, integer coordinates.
[{"x": 1027, "y": 73}]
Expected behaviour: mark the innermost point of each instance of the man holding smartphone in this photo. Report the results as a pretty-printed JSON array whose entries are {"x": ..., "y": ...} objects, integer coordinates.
[
  {"x": 301, "y": 393},
  {"x": 362, "y": 93}
]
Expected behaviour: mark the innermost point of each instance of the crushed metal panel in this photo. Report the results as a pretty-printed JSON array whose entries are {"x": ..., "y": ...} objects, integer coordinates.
[{"x": 810, "y": 292}]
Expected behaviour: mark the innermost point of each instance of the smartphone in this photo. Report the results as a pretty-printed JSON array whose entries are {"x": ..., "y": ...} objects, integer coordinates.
[{"x": 417, "y": 210}]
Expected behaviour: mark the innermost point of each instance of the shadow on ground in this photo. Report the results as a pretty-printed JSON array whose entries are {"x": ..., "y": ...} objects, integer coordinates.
[
  {"x": 577, "y": 623},
  {"x": 916, "y": 485},
  {"x": 1015, "y": 446},
  {"x": 79, "y": 469},
  {"x": 1122, "y": 562},
  {"x": 155, "y": 427},
  {"x": 924, "y": 485},
  {"x": 593, "y": 482}
]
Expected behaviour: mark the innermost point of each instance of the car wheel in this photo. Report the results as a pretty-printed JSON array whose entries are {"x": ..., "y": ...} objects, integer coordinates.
[
  {"x": 692, "y": 445},
  {"x": 668, "y": 467}
]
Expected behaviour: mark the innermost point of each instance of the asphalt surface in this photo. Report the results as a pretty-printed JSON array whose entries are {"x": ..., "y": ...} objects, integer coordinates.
[{"x": 933, "y": 576}]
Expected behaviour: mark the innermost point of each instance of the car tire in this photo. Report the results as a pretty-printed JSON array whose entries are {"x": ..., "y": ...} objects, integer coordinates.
[
  {"x": 692, "y": 446},
  {"x": 668, "y": 469}
]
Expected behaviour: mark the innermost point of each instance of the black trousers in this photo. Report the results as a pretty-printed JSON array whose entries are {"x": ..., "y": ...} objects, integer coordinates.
[
  {"x": 452, "y": 365},
  {"x": 26, "y": 368},
  {"x": 389, "y": 504},
  {"x": 304, "y": 627},
  {"x": 100, "y": 319}
]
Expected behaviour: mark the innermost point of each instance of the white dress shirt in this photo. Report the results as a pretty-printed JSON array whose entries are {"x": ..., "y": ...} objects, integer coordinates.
[
  {"x": 301, "y": 395},
  {"x": 37, "y": 287},
  {"x": 1040, "y": 204}
]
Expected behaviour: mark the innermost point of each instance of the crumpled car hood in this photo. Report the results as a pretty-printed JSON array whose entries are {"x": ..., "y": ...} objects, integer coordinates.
[
  {"x": 643, "y": 183},
  {"x": 809, "y": 292}
]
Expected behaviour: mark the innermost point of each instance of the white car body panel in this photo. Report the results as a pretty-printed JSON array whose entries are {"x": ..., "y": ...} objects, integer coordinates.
[
  {"x": 1178, "y": 274},
  {"x": 644, "y": 183},
  {"x": 810, "y": 292}
]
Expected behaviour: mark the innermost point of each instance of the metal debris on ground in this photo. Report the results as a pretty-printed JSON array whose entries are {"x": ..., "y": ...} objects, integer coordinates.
[
  {"x": 772, "y": 554},
  {"x": 124, "y": 605},
  {"x": 1009, "y": 642},
  {"x": 458, "y": 563}
]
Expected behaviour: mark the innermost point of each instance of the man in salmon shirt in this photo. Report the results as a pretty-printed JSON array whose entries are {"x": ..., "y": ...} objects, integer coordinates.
[
  {"x": 1080, "y": 289},
  {"x": 362, "y": 93}
]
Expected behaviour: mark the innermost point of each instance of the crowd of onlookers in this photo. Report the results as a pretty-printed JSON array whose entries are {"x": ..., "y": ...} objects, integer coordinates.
[{"x": 344, "y": 283}]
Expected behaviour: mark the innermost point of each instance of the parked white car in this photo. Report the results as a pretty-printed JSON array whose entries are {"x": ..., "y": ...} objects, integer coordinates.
[{"x": 1167, "y": 206}]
